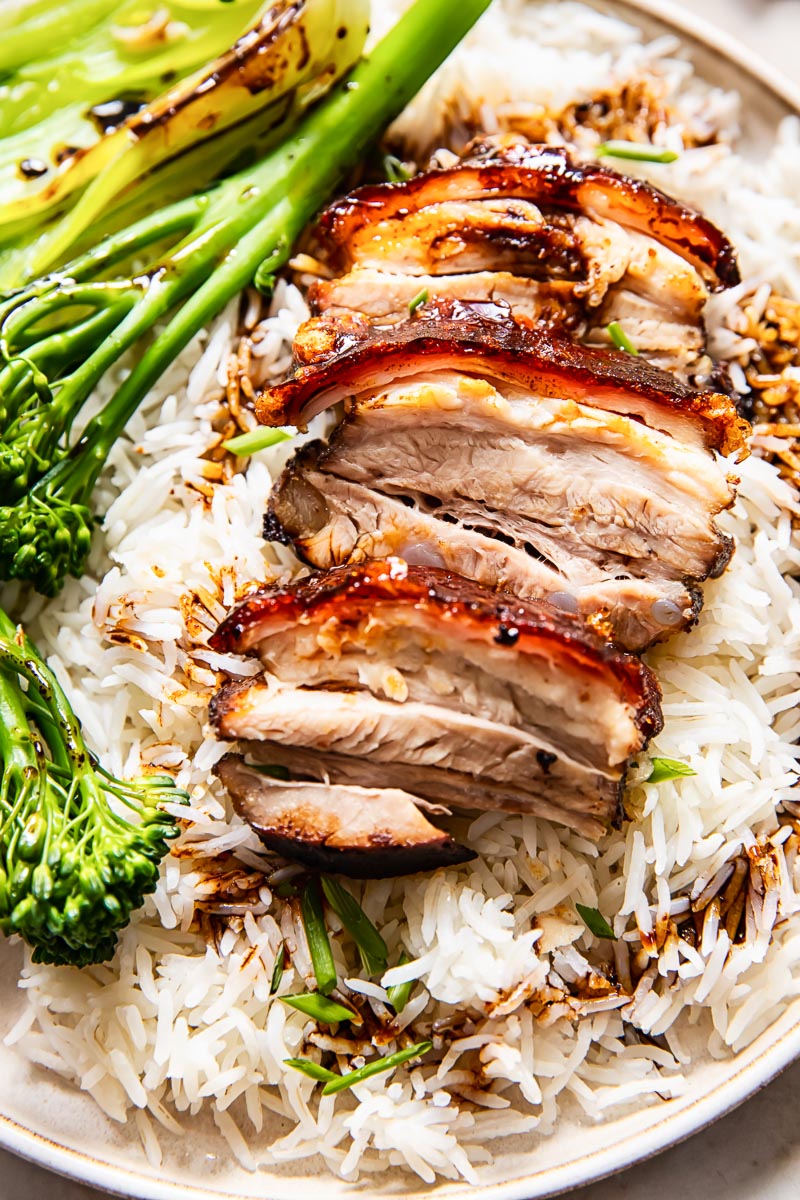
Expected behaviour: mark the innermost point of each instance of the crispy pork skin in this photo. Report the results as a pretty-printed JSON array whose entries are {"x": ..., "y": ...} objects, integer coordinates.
[
  {"x": 442, "y": 688},
  {"x": 363, "y": 832},
  {"x": 339, "y": 359},
  {"x": 547, "y": 178},
  {"x": 564, "y": 245}
]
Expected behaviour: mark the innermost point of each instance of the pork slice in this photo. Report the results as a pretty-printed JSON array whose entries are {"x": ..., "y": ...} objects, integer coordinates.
[
  {"x": 558, "y": 674},
  {"x": 363, "y": 832},
  {"x": 589, "y": 813},
  {"x": 385, "y": 297},
  {"x": 332, "y": 521},
  {"x": 543, "y": 176},
  {"x": 555, "y": 474},
  {"x": 351, "y": 358},
  {"x": 428, "y": 738},
  {"x": 517, "y": 238},
  {"x": 460, "y": 236}
]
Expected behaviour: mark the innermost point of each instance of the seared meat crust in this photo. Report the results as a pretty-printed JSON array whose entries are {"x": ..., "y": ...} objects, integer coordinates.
[
  {"x": 461, "y": 609},
  {"x": 547, "y": 176},
  {"x": 347, "y": 359}
]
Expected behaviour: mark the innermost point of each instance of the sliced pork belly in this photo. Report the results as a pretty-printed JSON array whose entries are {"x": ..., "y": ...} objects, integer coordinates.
[
  {"x": 525, "y": 462},
  {"x": 575, "y": 246},
  {"x": 545, "y": 179},
  {"x": 433, "y": 684},
  {"x": 593, "y": 492},
  {"x": 332, "y": 521},
  {"x": 339, "y": 359},
  {"x": 592, "y": 279},
  {"x": 454, "y": 237},
  {"x": 364, "y": 832},
  {"x": 443, "y": 785},
  {"x": 384, "y": 298}
]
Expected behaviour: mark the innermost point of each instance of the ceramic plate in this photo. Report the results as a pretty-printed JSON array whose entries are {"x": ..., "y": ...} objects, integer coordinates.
[{"x": 45, "y": 1120}]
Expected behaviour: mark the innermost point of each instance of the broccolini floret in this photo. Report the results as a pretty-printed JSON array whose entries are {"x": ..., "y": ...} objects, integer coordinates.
[{"x": 72, "y": 867}]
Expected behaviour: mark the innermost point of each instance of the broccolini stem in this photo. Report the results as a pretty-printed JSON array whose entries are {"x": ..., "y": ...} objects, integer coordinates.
[{"x": 177, "y": 218}]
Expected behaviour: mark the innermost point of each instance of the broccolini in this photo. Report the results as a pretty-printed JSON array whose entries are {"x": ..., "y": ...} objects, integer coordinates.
[{"x": 72, "y": 867}]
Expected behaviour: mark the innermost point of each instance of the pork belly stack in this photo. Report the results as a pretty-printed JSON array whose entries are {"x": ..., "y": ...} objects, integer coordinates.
[
  {"x": 502, "y": 514},
  {"x": 518, "y": 459},
  {"x": 571, "y": 245},
  {"x": 389, "y": 687}
]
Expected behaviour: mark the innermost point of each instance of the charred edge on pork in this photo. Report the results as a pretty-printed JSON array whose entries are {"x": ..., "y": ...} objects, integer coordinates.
[
  {"x": 354, "y": 357},
  {"x": 351, "y": 592},
  {"x": 548, "y": 176}
]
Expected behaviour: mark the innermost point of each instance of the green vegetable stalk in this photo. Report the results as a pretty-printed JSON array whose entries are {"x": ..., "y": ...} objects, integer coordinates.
[
  {"x": 190, "y": 134},
  {"x": 72, "y": 868},
  {"x": 60, "y": 336},
  {"x": 61, "y": 58}
]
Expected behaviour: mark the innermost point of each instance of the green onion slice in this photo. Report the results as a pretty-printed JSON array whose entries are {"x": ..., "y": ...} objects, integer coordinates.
[
  {"x": 595, "y": 922},
  {"x": 319, "y": 1007},
  {"x": 312, "y": 1069},
  {"x": 395, "y": 169},
  {"x": 285, "y": 890},
  {"x": 636, "y": 152},
  {"x": 420, "y": 299},
  {"x": 277, "y": 970},
  {"x": 317, "y": 937},
  {"x": 371, "y": 946},
  {"x": 340, "y": 1082},
  {"x": 668, "y": 768},
  {"x": 400, "y": 993},
  {"x": 620, "y": 338},
  {"x": 255, "y": 440}
]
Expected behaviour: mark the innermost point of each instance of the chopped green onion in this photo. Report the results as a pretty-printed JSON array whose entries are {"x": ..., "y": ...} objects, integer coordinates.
[
  {"x": 255, "y": 440},
  {"x": 375, "y": 1068},
  {"x": 668, "y": 768},
  {"x": 312, "y": 1069},
  {"x": 395, "y": 169},
  {"x": 277, "y": 970},
  {"x": 595, "y": 922},
  {"x": 264, "y": 282},
  {"x": 317, "y": 937},
  {"x": 274, "y": 770},
  {"x": 319, "y": 1007},
  {"x": 620, "y": 338},
  {"x": 285, "y": 890},
  {"x": 637, "y": 152},
  {"x": 420, "y": 299},
  {"x": 400, "y": 993},
  {"x": 371, "y": 945}
]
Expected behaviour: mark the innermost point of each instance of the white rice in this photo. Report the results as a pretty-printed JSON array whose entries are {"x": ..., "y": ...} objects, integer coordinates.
[{"x": 175, "y": 1024}]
